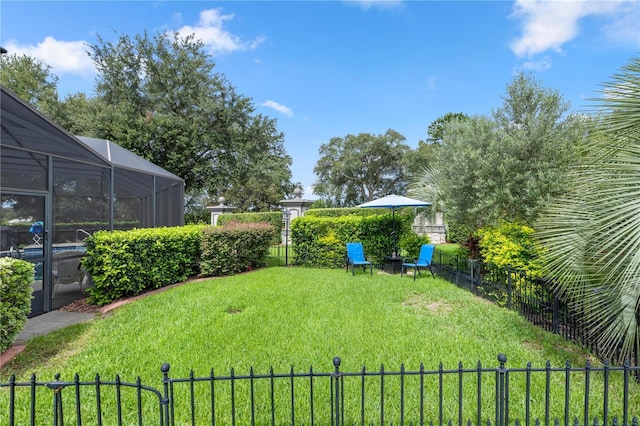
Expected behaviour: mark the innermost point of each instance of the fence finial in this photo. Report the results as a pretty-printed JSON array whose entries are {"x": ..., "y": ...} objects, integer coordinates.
[
  {"x": 502, "y": 358},
  {"x": 336, "y": 362}
]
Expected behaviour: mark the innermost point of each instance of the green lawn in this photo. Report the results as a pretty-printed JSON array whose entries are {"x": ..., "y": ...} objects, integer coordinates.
[{"x": 295, "y": 317}]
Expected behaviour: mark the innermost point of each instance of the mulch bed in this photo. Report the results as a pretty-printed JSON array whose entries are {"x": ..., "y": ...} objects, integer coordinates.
[{"x": 81, "y": 306}]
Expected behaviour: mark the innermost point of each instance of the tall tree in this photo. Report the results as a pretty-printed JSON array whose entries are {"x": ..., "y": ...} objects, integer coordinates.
[
  {"x": 426, "y": 152},
  {"x": 356, "y": 169},
  {"x": 33, "y": 81},
  {"x": 591, "y": 235},
  {"x": 161, "y": 99},
  {"x": 79, "y": 114},
  {"x": 435, "y": 131},
  {"x": 507, "y": 166}
]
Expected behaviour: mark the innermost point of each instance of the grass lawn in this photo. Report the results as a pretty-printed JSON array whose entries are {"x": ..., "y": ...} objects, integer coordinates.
[{"x": 295, "y": 318}]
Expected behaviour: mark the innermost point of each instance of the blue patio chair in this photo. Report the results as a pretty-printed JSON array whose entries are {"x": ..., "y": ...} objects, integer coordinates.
[
  {"x": 355, "y": 257},
  {"x": 422, "y": 262}
]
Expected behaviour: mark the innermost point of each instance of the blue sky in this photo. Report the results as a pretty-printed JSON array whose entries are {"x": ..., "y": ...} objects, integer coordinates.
[{"x": 327, "y": 69}]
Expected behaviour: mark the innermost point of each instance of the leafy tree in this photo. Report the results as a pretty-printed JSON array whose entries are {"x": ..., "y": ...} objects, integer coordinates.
[
  {"x": 79, "y": 114},
  {"x": 426, "y": 152},
  {"x": 417, "y": 159},
  {"x": 159, "y": 97},
  {"x": 33, "y": 81},
  {"x": 591, "y": 234},
  {"x": 504, "y": 167},
  {"x": 435, "y": 131},
  {"x": 361, "y": 168}
]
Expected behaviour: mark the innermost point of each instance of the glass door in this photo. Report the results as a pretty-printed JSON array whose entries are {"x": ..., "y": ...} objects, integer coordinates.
[{"x": 23, "y": 236}]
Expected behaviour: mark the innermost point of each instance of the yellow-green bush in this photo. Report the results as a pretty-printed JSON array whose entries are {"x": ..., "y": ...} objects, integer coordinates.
[{"x": 511, "y": 245}]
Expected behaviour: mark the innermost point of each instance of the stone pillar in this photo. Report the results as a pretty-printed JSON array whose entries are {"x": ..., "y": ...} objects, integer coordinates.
[
  {"x": 294, "y": 208},
  {"x": 216, "y": 211}
]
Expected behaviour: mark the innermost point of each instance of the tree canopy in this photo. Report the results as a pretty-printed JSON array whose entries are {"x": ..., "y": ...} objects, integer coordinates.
[
  {"x": 359, "y": 168},
  {"x": 507, "y": 166},
  {"x": 159, "y": 97},
  {"x": 33, "y": 81},
  {"x": 435, "y": 131}
]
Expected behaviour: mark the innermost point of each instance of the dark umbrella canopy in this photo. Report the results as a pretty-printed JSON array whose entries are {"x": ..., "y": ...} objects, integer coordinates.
[{"x": 394, "y": 202}]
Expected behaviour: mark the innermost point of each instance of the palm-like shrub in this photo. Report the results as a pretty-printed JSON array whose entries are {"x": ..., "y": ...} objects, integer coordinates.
[{"x": 592, "y": 235}]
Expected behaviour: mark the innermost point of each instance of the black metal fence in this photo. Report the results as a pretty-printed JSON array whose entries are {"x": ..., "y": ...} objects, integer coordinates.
[
  {"x": 498, "y": 396},
  {"x": 529, "y": 296}
]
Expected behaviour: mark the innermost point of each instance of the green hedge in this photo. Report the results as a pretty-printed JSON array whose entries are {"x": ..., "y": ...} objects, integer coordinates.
[
  {"x": 16, "y": 277},
  {"x": 272, "y": 218},
  {"x": 348, "y": 211},
  {"x": 235, "y": 247},
  {"x": 321, "y": 241},
  {"x": 126, "y": 263}
]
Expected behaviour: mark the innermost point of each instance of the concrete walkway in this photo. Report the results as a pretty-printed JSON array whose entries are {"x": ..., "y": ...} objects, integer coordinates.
[
  {"x": 46, "y": 323},
  {"x": 39, "y": 325}
]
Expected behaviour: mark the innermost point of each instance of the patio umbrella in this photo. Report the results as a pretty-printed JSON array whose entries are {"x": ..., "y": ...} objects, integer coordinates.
[{"x": 394, "y": 202}]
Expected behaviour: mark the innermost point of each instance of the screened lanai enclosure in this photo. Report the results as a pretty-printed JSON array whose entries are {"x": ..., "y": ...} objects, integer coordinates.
[{"x": 57, "y": 189}]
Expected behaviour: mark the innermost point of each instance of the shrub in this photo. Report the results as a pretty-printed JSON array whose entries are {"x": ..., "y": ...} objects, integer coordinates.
[
  {"x": 235, "y": 247},
  {"x": 321, "y": 241},
  {"x": 510, "y": 257},
  {"x": 411, "y": 243},
  {"x": 458, "y": 233},
  {"x": 126, "y": 263},
  {"x": 272, "y": 218},
  {"x": 348, "y": 211},
  {"x": 511, "y": 245},
  {"x": 16, "y": 277}
]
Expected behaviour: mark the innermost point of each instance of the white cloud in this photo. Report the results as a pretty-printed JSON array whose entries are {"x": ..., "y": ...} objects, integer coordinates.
[
  {"x": 64, "y": 57},
  {"x": 71, "y": 57},
  {"x": 625, "y": 26},
  {"x": 278, "y": 107},
  {"x": 549, "y": 24},
  {"x": 308, "y": 193},
  {"x": 539, "y": 65},
  {"x": 380, "y": 4},
  {"x": 210, "y": 30}
]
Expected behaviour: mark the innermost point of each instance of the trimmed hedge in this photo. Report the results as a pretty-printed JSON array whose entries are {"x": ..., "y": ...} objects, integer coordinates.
[
  {"x": 348, "y": 211},
  {"x": 126, "y": 263},
  {"x": 235, "y": 247},
  {"x": 272, "y": 218},
  {"x": 321, "y": 241},
  {"x": 16, "y": 277}
]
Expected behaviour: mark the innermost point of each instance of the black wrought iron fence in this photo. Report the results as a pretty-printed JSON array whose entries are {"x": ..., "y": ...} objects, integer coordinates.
[
  {"x": 544, "y": 395},
  {"x": 530, "y": 296}
]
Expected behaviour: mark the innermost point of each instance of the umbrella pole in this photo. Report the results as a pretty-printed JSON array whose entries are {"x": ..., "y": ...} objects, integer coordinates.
[{"x": 395, "y": 244}]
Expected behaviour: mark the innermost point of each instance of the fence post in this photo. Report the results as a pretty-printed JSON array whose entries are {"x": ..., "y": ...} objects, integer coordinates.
[
  {"x": 164, "y": 402},
  {"x": 509, "y": 287},
  {"x": 57, "y": 386},
  {"x": 556, "y": 315},
  {"x": 501, "y": 400},
  {"x": 337, "y": 391}
]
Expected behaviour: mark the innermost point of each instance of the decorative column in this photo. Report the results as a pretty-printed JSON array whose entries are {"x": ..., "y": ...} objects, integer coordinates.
[
  {"x": 216, "y": 211},
  {"x": 292, "y": 209}
]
